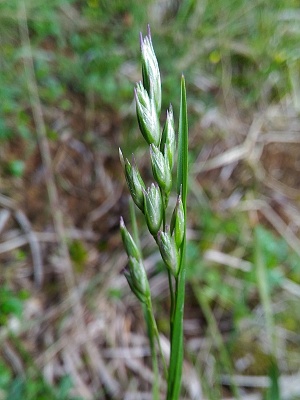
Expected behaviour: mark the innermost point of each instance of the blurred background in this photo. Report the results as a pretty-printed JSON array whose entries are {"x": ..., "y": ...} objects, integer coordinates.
[{"x": 69, "y": 326}]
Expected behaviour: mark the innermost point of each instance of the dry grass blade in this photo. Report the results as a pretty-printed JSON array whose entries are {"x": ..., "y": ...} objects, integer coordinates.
[
  {"x": 107, "y": 205},
  {"x": 226, "y": 259},
  {"x": 13, "y": 243},
  {"x": 30, "y": 237},
  {"x": 277, "y": 222},
  {"x": 247, "y": 150},
  {"x": 4, "y": 217},
  {"x": 34, "y": 244},
  {"x": 289, "y": 385},
  {"x": 191, "y": 382},
  {"x": 280, "y": 137},
  {"x": 12, "y": 356}
]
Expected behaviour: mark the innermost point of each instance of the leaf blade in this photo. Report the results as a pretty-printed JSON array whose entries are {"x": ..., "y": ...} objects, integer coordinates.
[
  {"x": 182, "y": 166},
  {"x": 176, "y": 358}
]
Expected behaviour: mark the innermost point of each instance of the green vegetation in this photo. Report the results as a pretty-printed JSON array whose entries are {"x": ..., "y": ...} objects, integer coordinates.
[
  {"x": 153, "y": 202},
  {"x": 69, "y": 326},
  {"x": 33, "y": 387}
]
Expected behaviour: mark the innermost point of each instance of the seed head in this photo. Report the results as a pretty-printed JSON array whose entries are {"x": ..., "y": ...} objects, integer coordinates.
[
  {"x": 150, "y": 70},
  {"x": 137, "y": 279},
  {"x": 153, "y": 208},
  {"x": 168, "y": 251},
  {"x": 178, "y": 222},
  {"x": 168, "y": 142},
  {"x": 134, "y": 181},
  {"x": 128, "y": 242},
  {"x": 147, "y": 115},
  {"x": 160, "y": 168}
]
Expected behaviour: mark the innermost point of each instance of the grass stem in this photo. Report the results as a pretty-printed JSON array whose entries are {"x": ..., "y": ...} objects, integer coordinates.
[{"x": 151, "y": 335}]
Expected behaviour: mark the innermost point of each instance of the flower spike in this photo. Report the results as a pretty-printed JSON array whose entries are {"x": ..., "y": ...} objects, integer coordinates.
[
  {"x": 153, "y": 208},
  {"x": 150, "y": 70},
  {"x": 147, "y": 115}
]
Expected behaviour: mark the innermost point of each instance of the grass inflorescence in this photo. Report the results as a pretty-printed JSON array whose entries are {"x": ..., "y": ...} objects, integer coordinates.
[{"x": 153, "y": 201}]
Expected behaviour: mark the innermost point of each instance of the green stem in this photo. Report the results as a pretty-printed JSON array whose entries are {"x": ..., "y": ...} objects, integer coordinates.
[
  {"x": 156, "y": 334},
  {"x": 172, "y": 300},
  {"x": 176, "y": 356},
  {"x": 151, "y": 336},
  {"x": 150, "y": 319},
  {"x": 171, "y": 289}
]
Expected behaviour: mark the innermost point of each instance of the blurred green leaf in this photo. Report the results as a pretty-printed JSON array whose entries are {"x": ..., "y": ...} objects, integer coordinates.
[{"x": 16, "y": 168}]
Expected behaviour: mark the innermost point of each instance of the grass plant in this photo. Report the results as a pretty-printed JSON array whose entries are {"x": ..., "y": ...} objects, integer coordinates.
[{"x": 153, "y": 202}]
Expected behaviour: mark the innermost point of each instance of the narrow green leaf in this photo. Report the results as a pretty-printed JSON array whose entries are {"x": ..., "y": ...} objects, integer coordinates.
[
  {"x": 182, "y": 166},
  {"x": 273, "y": 392},
  {"x": 176, "y": 357},
  {"x": 264, "y": 289}
]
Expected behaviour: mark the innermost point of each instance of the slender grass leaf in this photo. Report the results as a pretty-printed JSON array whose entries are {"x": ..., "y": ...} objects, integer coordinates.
[{"x": 176, "y": 358}]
